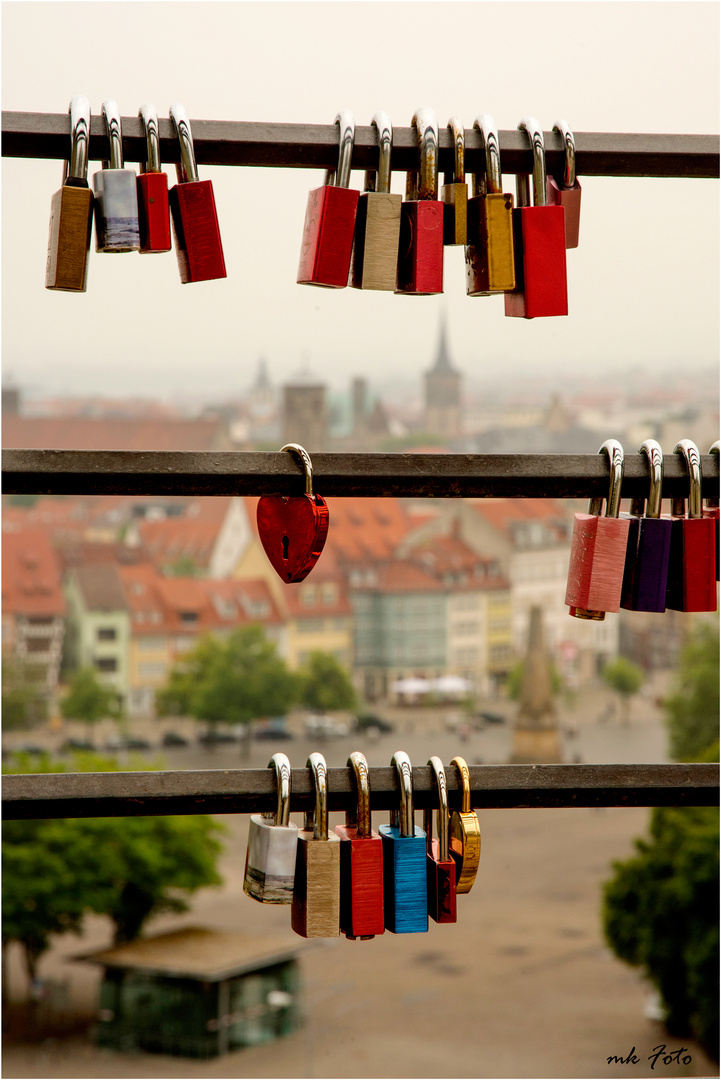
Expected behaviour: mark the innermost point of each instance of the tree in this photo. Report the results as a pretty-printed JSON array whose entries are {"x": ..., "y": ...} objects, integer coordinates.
[
  {"x": 88, "y": 699},
  {"x": 661, "y": 913},
  {"x": 130, "y": 869},
  {"x": 626, "y": 678},
  {"x": 23, "y": 703},
  {"x": 325, "y": 684},
  {"x": 692, "y": 712},
  {"x": 230, "y": 680}
]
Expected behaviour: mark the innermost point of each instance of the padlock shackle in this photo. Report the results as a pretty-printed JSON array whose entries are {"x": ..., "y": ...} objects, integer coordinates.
[
  {"x": 111, "y": 112},
  {"x": 346, "y": 138},
  {"x": 426, "y": 127},
  {"x": 305, "y": 463},
  {"x": 441, "y": 813},
  {"x": 404, "y": 817},
  {"x": 691, "y": 456},
  {"x": 382, "y": 178},
  {"x": 316, "y": 762},
  {"x": 187, "y": 169},
  {"x": 654, "y": 454},
  {"x": 458, "y": 134},
  {"x": 712, "y": 504},
  {"x": 532, "y": 128},
  {"x": 492, "y": 182},
  {"x": 615, "y": 461},
  {"x": 77, "y": 166},
  {"x": 569, "y": 167},
  {"x": 465, "y": 775},
  {"x": 149, "y": 119},
  {"x": 360, "y": 815},
  {"x": 281, "y": 764}
]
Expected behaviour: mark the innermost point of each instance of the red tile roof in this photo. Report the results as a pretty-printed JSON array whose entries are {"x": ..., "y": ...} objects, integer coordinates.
[
  {"x": 401, "y": 576},
  {"x": 362, "y": 529},
  {"x": 81, "y": 433},
  {"x": 31, "y": 582},
  {"x": 503, "y": 514}
]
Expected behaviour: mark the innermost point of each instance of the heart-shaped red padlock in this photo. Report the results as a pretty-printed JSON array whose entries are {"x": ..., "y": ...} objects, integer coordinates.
[{"x": 293, "y": 528}]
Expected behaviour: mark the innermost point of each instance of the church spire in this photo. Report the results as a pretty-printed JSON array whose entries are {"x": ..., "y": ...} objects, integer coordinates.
[{"x": 442, "y": 362}]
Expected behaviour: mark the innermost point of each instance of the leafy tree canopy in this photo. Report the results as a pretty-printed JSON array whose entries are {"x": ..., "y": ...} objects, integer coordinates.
[
  {"x": 623, "y": 676},
  {"x": 692, "y": 711},
  {"x": 88, "y": 699},
  {"x": 230, "y": 680},
  {"x": 23, "y": 702},
  {"x": 325, "y": 684}
]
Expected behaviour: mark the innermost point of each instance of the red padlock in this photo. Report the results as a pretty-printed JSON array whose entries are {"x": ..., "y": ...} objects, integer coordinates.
[
  {"x": 153, "y": 204},
  {"x": 711, "y": 510},
  {"x": 692, "y": 559},
  {"x": 327, "y": 244},
  {"x": 361, "y": 863},
  {"x": 598, "y": 549},
  {"x": 539, "y": 242},
  {"x": 440, "y": 864},
  {"x": 293, "y": 529},
  {"x": 195, "y": 221},
  {"x": 420, "y": 250},
  {"x": 567, "y": 191}
]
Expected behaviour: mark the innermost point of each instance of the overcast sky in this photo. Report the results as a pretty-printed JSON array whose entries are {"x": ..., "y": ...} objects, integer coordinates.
[{"x": 643, "y": 285}]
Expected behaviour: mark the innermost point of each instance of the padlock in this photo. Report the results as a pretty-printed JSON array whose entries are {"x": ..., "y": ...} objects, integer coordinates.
[
  {"x": 404, "y": 861},
  {"x": 153, "y": 204},
  {"x": 378, "y": 220},
  {"x": 490, "y": 263},
  {"x": 711, "y": 510},
  {"x": 272, "y": 843},
  {"x": 420, "y": 251},
  {"x": 465, "y": 834},
  {"x": 198, "y": 246},
  {"x": 327, "y": 244},
  {"x": 293, "y": 528},
  {"x": 361, "y": 863},
  {"x": 649, "y": 542},
  {"x": 440, "y": 864},
  {"x": 315, "y": 911},
  {"x": 454, "y": 193},
  {"x": 539, "y": 242},
  {"x": 71, "y": 210},
  {"x": 692, "y": 560},
  {"x": 566, "y": 192},
  {"x": 116, "y": 193},
  {"x": 598, "y": 549}
]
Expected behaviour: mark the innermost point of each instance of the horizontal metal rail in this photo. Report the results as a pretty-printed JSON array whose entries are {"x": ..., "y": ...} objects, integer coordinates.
[
  {"x": 315, "y": 146},
  {"x": 112, "y": 472},
  {"x": 244, "y": 791}
]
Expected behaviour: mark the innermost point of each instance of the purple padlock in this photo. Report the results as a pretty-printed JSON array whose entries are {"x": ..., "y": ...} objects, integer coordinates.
[{"x": 649, "y": 544}]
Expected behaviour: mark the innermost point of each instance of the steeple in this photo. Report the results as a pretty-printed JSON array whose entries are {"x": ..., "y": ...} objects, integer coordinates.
[{"x": 442, "y": 362}]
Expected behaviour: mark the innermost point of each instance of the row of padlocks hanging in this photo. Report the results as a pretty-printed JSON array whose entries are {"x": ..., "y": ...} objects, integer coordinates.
[
  {"x": 357, "y": 881},
  {"x": 645, "y": 561},
  {"x": 131, "y": 212},
  {"x": 375, "y": 240}
]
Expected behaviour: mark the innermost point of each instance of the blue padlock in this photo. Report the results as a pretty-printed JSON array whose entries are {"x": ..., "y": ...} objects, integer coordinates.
[{"x": 404, "y": 861}]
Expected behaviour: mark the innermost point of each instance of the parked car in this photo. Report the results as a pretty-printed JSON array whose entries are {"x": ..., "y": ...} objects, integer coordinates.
[
  {"x": 273, "y": 729},
  {"x": 372, "y": 724},
  {"x": 171, "y": 738},
  {"x": 326, "y": 727},
  {"x": 127, "y": 742},
  {"x": 28, "y": 748},
  {"x": 482, "y": 718},
  {"x": 69, "y": 745},
  {"x": 213, "y": 738}
]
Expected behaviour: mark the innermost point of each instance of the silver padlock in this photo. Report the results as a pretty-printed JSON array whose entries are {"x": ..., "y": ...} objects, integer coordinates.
[
  {"x": 116, "y": 194},
  {"x": 272, "y": 842}
]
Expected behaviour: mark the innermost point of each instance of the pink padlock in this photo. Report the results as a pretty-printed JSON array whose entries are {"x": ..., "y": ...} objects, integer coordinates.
[{"x": 567, "y": 193}]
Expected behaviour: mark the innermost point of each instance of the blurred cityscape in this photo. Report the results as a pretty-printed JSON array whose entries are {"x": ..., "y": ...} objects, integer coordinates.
[{"x": 405, "y": 588}]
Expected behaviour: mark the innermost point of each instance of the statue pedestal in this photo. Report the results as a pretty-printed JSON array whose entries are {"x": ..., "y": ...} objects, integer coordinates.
[{"x": 536, "y": 746}]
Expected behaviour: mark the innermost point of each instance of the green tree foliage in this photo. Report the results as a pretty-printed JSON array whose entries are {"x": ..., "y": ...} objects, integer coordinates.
[
  {"x": 626, "y": 678},
  {"x": 325, "y": 684},
  {"x": 130, "y": 869},
  {"x": 661, "y": 913},
  {"x": 692, "y": 711},
  {"x": 88, "y": 699},
  {"x": 23, "y": 702},
  {"x": 230, "y": 680}
]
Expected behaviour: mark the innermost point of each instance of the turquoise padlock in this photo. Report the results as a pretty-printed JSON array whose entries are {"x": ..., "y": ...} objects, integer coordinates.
[{"x": 404, "y": 861}]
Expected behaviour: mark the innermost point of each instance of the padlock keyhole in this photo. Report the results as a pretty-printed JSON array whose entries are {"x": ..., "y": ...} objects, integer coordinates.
[{"x": 286, "y": 542}]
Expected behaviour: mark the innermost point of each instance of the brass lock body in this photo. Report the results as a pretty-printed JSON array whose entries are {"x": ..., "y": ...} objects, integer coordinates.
[
  {"x": 465, "y": 834},
  {"x": 71, "y": 211}
]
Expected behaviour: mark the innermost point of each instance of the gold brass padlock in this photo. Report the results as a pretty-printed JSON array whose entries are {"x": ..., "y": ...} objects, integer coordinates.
[
  {"x": 315, "y": 911},
  {"x": 454, "y": 193},
  {"x": 378, "y": 220},
  {"x": 490, "y": 257},
  {"x": 465, "y": 834},
  {"x": 71, "y": 210}
]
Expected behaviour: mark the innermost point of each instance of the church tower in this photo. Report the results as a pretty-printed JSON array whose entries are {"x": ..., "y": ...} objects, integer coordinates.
[{"x": 443, "y": 393}]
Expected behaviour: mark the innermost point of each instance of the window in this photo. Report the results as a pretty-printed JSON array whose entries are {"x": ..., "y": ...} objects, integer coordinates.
[
  {"x": 151, "y": 644},
  {"x": 107, "y": 633},
  {"x": 106, "y": 663},
  {"x": 311, "y": 626},
  {"x": 188, "y": 616},
  {"x": 329, "y": 594},
  {"x": 152, "y": 671},
  {"x": 308, "y": 595},
  {"x": 40, "y": 620},
  {"x": 37, "y": 644}
]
